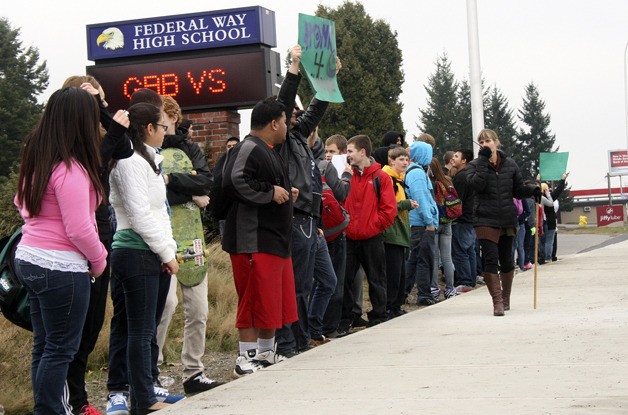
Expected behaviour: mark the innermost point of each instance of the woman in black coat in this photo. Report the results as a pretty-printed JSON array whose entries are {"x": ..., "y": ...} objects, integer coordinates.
[{"x": 496, "y": 179}]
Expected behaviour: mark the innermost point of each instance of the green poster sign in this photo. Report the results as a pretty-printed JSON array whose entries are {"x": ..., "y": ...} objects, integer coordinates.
[
  {"x": 317, "y": 37},
  {"x": 552, "y": 166}
]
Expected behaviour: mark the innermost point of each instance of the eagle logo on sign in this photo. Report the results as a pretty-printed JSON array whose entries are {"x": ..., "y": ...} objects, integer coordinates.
[{"x": 111, "y": 38}]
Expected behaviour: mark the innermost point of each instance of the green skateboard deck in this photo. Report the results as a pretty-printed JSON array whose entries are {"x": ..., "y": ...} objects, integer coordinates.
[{"x": 187, "y": 226}]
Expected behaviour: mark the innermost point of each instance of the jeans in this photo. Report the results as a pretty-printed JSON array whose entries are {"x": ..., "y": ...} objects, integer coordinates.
[
  {"x": 338, "y": 254},
  {"x": 58, "y": 302},
  {"x": 91, "y": 329},
  {"x": 519, "y": 246},
  {"x": 296, "y": 336},
  {"x": 370, "y": 254},
  {"x": 443, "y": 254},
  {"x": 395, "y": 276},
  {"x": 549, "y": 244},
  {"x": 529, "y": 245},
  {"x": 463, "y": 253},
  {"x": 420, "y": 264},
  {"x": 324, "y": 285},
  {"x": 137, "y": 277}
]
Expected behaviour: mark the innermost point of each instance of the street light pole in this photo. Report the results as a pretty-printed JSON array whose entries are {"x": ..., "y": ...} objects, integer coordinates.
[{"x": 475, "y": 73}]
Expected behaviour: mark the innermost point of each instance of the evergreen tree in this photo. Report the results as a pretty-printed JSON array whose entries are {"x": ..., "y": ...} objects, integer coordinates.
[
  {"x": 535, "y": 137},
  {"x": 370, "y": 80},
  {"x": 22, "y": 79},
  {"x": 464, "y": 118},
  {"x": 499, "y": 117},
  {"x": 440, "y": 117},
  {"x": 10, "y": 218}
]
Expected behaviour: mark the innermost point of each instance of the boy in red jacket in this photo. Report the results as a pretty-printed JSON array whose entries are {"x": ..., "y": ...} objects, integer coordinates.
[{"x": 372, "y": 207}]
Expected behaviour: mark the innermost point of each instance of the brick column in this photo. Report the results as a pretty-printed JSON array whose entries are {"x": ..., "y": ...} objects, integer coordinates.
[{"x": 211, "y": 129}]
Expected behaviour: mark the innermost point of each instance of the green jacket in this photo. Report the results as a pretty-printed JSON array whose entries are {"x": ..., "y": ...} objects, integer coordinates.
[{"x": 399, "y": 232}]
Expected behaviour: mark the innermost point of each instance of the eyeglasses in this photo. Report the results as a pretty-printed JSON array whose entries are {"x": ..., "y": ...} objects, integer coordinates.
[{"x": 165, "y": 127}]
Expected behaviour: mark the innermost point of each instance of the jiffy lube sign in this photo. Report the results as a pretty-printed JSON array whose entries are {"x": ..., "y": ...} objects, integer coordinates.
[{"x": 205, "y": 30}]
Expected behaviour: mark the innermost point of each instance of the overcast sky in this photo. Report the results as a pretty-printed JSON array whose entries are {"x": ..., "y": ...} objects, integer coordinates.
[{"x": 573, "y": 50}]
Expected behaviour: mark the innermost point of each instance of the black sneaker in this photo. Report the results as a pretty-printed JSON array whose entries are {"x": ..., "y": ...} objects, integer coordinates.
[
  {"x": 199, "y": 383},
  {"x": 359, "y": 322},
  {"x": 426, "y": 301}
]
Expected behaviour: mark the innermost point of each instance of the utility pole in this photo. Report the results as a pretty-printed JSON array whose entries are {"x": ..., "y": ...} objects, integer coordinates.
[{"x": 475, "y": 73}]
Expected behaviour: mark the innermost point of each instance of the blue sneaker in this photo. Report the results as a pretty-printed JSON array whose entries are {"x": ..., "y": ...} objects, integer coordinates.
[
  {"x": 118, "y": 403},
  {"x": 162, "y": 395}
]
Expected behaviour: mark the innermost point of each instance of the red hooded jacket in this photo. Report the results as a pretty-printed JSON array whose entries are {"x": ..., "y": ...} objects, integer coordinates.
[{"x": 370, "y": 216}]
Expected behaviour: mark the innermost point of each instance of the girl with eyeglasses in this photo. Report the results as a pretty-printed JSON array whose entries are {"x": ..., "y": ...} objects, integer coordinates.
[{"x": 143, "y": 247}]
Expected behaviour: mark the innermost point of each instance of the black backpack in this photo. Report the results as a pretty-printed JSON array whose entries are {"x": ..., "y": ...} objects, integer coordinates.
[{"x": 14, "y": 302}]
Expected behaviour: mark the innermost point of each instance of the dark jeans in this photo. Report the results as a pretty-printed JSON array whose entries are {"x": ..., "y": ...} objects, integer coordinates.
[
  {"x": 58, "y": 301},
  {"x": 371, "y": 255},
  {"x": 420, "y": 264},
  {"x": 498, "y": 256},
  {"x": 91, "y": 329},
  {"x": 463, "y": 253},
  {"x": 138, "y": 289},
  {"x": 296, "y": 336},
  {"x": 338, "y": 254},
  {"x": 324, "y": 285},
  {"x": 529, "y": 245},
  {"x": 395, "y": 276}
]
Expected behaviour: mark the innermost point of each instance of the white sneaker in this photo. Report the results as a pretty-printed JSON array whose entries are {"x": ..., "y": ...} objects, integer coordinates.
[
  {"x": 269, "y": 357},
  {"x": 245, "y": 365}
]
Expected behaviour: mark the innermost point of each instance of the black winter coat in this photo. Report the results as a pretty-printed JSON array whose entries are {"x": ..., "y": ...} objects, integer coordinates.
[
  {"x": 181, "y": 187},
  {"x": 295, "y": 151},
  {"x": 494, "y": 190},
  {"x": 550, "y": 213}
]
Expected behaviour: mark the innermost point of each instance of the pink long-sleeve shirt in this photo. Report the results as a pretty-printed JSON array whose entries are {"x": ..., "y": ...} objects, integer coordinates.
[{"x": 67, "y": 220}]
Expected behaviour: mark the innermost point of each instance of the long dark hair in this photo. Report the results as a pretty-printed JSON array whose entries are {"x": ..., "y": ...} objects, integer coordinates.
[
  {"x": 66, "y": 131},
  {"x": 437, "y": 171},
  {"x": 140, "y": 115}
]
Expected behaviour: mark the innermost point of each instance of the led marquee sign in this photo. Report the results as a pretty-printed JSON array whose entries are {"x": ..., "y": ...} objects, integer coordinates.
[{"x": 201, "y": 82}]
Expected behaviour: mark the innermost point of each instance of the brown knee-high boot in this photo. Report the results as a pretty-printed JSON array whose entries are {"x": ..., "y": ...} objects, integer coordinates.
[
  {"x": 506, "y": 278},
  {"x": 495, "y": 289}
]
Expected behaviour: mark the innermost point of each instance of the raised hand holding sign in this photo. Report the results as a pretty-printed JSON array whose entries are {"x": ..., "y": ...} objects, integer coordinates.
[{"x": 317, "y": 37}]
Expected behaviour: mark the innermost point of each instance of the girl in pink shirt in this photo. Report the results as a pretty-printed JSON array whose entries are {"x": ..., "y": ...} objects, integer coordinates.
[{"x": 58, "y": 192}]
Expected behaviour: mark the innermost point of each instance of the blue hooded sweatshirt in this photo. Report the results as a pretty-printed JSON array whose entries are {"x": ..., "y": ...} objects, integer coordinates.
[{"x": 420, "y": 187}]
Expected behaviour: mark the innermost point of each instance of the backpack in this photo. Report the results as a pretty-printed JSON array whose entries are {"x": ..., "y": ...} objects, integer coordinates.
[
  {"x": 448, "y": 203},
  {"x": 14, "y": 302},
  {"x": 335, "y": 217},
  {"x": 219, "y": 201}
]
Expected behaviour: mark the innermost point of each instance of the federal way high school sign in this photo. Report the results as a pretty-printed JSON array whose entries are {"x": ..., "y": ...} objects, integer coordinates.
[{"x": 213, "y": 29}]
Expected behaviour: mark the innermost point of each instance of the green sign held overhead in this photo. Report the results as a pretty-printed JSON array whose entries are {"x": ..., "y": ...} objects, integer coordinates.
[
  {"x": 552, "y": 166},
  {"x": 317, "y": 37}
]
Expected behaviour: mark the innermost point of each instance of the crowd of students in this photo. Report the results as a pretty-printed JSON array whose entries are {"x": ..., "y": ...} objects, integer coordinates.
[{"x": 297, "y": 285}]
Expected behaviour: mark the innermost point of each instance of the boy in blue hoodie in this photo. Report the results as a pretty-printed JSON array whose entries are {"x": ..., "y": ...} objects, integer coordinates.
[{"x": 423, "y": 223}]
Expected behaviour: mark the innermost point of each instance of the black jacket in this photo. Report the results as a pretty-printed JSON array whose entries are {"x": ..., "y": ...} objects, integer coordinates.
[
  {"x": 466, "y": 195},
  {"x": 256, "y": 223},
  {"x": 495, "y": 188},
  {"x": 550, "y": 213},
  {"x": 181, "y": 187},
  {"x": 295, "y": 151},
  {"x": 116, "y": 145}
]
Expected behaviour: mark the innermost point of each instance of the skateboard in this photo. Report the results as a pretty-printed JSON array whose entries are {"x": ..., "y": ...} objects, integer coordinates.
[{"x": 187, "y": 226}]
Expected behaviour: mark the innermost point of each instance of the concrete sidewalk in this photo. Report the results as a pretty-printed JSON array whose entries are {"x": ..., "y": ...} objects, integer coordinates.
[{"x": 569, "y": 356}]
